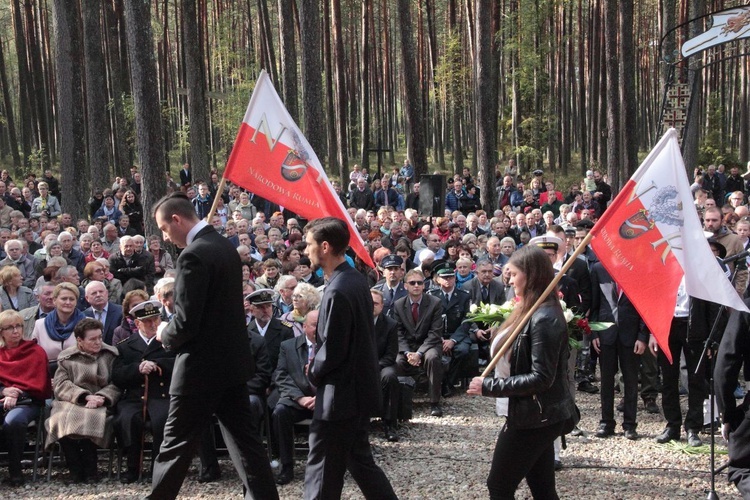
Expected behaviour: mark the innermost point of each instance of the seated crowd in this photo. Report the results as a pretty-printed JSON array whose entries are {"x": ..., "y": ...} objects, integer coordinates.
[{"x": 82, "y": 302}]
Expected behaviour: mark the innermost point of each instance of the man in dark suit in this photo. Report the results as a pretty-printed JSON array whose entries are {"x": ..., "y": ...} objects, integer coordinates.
[
  {"x": 392, "y": 285},
  {"x": 456, "y": 340},
  {"x": 484, "y": 288},
  {"x": 273, "y": 330},
  {"x": 619, "y": 345},
  {"x": 214, "y": 361},
  {"x": 420, "y": 336},
  {"x": 344, "y": 370},
  {"x": 386, "y": 340},
  {"x": 293, "y": 399},
  {"x": 186, "y": 177},
  {"x": 109, "y": 314},
  {"x": 142, "y": 358}
]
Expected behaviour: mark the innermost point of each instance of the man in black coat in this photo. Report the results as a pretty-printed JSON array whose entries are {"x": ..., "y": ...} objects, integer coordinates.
[
  {"x": 361, "y": 196},
  {"x": 142, "y": 359},
  {"x": 293, "y": 398},
  {"x": 386, "y": 340},
  {"x": 273, "y": 330},
  {"x": 214, "y": 361},
  {"x": 734, "y": 351},
  {"x": 127, "y": 264},
  {"x": 345, "y": 371},
  {"x": 619, "y": 345},
  {"x": 420, "y": 336}
]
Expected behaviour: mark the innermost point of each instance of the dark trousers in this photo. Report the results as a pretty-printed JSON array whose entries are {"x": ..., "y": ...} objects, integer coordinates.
[
  {"x": 391, "y": 393},
  {"x": 188, "y": 418},
  {"x": 649, "y": 374},
  {"x": 336, "y": 447},
  {"x": 136, "y": 430},
  {"x": 524, "y": 453},
  {"x": 15, "y": 425},
  {"x": 609, "y": 358},
  {"x": 459, "y": 360},
  {"x": 697, "y": 385},
  {"x": 741, "y": 479},
  {"x": 283, "y": 419},
  {"x": 432, "y": 364},
  {"x": 80, "y": 455}
]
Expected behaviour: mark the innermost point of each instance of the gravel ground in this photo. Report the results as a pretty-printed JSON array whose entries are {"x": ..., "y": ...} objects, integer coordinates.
[{"x": 449, "y": 458}]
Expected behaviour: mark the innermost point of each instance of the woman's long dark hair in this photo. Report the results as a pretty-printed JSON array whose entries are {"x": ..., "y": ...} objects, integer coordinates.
[{"x": 533, "y": 262}]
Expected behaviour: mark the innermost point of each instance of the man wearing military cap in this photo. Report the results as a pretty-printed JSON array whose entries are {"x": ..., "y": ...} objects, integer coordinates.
[
  {"x": 142, "y": 360},
  {"x": 567, "y": 285},
  {"x": 273, "y": 330},
  {"x": 391, "y": 285},
  {"x": 456, "y": 339}
]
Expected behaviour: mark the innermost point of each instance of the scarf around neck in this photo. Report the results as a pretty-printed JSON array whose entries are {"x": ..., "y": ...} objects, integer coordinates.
[{"x": 58, "y": 331}]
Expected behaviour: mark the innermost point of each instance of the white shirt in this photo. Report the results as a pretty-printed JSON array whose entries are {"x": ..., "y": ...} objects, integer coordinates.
[
  {"x": 196, "y": 228},
  {"x": 146, "y": 339},
  {"x": 262, "y": 330}
]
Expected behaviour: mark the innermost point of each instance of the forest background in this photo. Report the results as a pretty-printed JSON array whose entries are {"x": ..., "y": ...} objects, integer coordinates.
[{"x": 91, "y": 87}]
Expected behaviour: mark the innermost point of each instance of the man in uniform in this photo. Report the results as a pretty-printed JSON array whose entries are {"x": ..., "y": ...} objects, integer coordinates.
[
  {"x": 273, "y": 330},
  {"x": 392, "y": 286},
  {"x": 142, "y": 361}
]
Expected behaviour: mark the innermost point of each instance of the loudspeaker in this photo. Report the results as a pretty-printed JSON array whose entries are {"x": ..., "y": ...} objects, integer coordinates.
[{"x": 432, "y": 195}]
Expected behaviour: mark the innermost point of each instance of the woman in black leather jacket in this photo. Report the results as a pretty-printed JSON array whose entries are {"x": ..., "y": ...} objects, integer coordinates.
[{"x": 537, "y": 387}]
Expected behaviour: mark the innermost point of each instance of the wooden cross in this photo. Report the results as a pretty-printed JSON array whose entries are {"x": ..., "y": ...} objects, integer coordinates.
[{"x": 679, "y": 95}]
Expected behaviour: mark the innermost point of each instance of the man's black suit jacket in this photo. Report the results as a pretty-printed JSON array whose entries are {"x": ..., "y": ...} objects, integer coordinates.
[
  {"x": 345, "y": 369},
  {"x": 607, "y": 305},
  {"x": 277, "y": 332},
  {"x": 427, "y": 333},
  {"x": 290, "y": 378},
  {"x": 579, "y": 271},
  {"x": 112, "y": 321},
  {"x": 208, "y": 329},
  {"x": 386, "y": 339}
]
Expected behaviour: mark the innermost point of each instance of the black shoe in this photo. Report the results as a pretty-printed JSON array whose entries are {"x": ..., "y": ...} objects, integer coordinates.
[
  {"x": 14, "y": 482},
  {"x": 651, "y": 406},
  {"x": 576, "y": 431},
  {"x": 587, "y": 386},
  {"x": 604, "y": 431},
  {"x": 621, "y": 406},
  {"x": 446, "y": 390},
  {"x": 668, "y": 435},
  {"x": 128, "y": 477},
  {"x": 210, "y": 474},
  {"x": 693, "y": 439},
  {"x": 390, "y": 433},
  {"x": 631, "y": 434},
  {"x": 558, "y": 465},
  {"x": 436, "y": 410},
  {"x": 286, "y": 475}
]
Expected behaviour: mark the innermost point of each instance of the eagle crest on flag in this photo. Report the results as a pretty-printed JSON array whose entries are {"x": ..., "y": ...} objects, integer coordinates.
[{"x": 665, "y": 207}]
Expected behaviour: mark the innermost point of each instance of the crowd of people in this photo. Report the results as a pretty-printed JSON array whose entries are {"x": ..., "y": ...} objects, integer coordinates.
[{"x": 82, "y": 302}]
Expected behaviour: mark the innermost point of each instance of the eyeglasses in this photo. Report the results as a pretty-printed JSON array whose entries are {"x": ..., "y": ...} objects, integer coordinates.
[
  {"x": 11, "y": 327},
  {"x": 297, "y": 296},
  {"x": 415, "y": 283}
]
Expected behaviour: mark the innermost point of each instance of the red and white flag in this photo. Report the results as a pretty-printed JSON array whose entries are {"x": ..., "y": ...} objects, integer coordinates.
[
  {"x": 273, "y": 159},
  {"x": 651, "y": 236}
]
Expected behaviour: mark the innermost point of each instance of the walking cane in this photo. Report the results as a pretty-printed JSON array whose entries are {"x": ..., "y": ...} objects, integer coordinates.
[{"x": 143, "y": 428}]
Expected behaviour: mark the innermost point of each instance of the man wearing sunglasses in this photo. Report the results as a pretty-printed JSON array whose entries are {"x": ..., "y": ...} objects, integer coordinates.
[{"x": 420, "y": 336}]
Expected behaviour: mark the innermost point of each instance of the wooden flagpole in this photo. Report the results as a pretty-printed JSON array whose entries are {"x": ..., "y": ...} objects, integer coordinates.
[
  {"x": 550, "y": 288},
  {"x": 219, "y": 192}
]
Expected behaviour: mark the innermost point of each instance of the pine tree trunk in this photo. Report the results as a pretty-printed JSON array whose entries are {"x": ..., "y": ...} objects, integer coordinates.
[
  {"x": 312, "y": 86},
  {"x": 96, "y": 94},
  {"x": 147, "y": 106},
  {"x": 74, "y": 179},
  {"x": 288, "y": 51},
  {"x": 196, "y": 87},
  {"x": 629, "y": 131},
  {"x": 412, "y": 105},
  {"x": 8, "y": 104},
  {"x": 485, "y": 104},
  {"x": 614, "y": 158},
  {"x": 122, "y": 151},
  {"x": 339, "y": 69},
  {"x": 365, "y": 86},
  {"x": 24, "y": 84}
]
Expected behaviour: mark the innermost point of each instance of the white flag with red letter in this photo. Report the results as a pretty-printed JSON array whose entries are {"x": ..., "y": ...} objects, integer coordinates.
[
  {"x": 651, "y": 236},
  {"x": 273, "y": 159}
]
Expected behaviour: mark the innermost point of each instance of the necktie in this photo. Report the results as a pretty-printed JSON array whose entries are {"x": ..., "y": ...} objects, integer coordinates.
[
  {"x": 485, "y": 294},
  {"x": 415, "y": 312},
  {"x": 310, "y": 358},
  {"x": 385, "y": 195},
  {"x": 388, "y": 296},
  {"x": 98, "y": 315}
]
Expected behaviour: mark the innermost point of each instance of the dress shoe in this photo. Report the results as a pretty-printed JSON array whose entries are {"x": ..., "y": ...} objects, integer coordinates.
[
  {"x": 621, "y": 406},
  {"x": 436, "y": 411},
  {"x": 285, "y": 475},
  {"x": 209, "y": 475},
  {"x": 604, "y": 431},
  {"x": 558, "y": 465},
  {"x": 651, "y": 406},
  {"x": 576, "y": 431},
  {"x": 668, "y": 435},
  {"x": 14, "y": 482},
  {"x": 587, "y": 386},
  {"x": 631, "y": 434},
  {"x": 390, "y": 434},
  {"x": 128, "y": 477},
  {"x": 693, "y": 439},
  {"x": 446, "y": 390}
]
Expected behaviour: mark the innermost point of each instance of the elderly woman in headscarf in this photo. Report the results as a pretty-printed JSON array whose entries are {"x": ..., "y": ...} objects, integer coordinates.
[
  {"x": 305, "y": 298},
  {"x": 83, "y": 393},
  {"x": 24, "y": 385}
]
